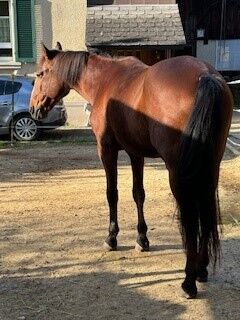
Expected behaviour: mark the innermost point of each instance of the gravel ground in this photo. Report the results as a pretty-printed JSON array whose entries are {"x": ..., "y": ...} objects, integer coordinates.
[{"x": 53, "y": 223}]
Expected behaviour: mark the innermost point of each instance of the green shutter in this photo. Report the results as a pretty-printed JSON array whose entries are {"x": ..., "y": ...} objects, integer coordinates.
[{"x": 25, "y": 30}]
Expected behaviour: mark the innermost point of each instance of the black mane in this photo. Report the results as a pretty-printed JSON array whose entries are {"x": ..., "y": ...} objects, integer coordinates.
[{"x": 69, "y": 66}]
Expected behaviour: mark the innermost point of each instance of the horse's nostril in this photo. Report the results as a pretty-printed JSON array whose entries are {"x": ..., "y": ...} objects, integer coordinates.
[{"x": 31, "y": 110}]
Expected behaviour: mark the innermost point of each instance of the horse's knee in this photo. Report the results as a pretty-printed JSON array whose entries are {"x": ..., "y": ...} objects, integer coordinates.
[{"x": 138, "y": 195}]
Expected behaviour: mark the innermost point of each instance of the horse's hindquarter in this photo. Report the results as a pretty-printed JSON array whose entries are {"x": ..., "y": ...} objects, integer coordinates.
[
  {"x": 169, "y": 93},
  {"x": 171, "y": 87}
]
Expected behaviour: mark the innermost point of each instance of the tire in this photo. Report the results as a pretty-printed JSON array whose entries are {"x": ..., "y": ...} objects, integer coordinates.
[{"x": 25, "y": 128}]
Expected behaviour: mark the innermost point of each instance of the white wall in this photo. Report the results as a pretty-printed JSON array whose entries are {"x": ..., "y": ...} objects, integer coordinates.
[
  {"x": 207, "y": 52},
  {"x": 223, "y": 55}
]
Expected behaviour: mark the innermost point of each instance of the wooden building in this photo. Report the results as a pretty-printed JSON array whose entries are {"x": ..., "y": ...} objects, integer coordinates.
[
  {"x": 148, "y": 29},
  {"x": 212, "y": 29}
]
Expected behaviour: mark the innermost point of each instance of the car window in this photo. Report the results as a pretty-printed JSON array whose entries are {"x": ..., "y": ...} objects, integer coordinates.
[
  {"x": 2, "y": 86},
  {"x": 12, "y": 87}
]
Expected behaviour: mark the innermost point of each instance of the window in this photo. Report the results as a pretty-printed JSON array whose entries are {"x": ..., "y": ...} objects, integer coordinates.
[
  {"x": 25, "y": 25},
  {"x": 5, "y": 31},
  {"x": 17, "y": 31},
  {"x": 11, "y": 88},
  {"x": 8, "y": 87},
  {"x": 127, "y": 53}
]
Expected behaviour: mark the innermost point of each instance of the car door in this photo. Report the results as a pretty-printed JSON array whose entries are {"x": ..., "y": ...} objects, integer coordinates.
[
  {"x": 5, "y": 105},
  {"x": 8, "y": 97},
  {"x": 11, "y": 93}
]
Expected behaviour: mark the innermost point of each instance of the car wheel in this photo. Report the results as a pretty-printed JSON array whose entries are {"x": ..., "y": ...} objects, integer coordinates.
[{"x": 25, "y": 128}]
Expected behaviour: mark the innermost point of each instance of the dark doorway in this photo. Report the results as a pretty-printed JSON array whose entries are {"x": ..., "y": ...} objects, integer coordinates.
[{"x": 149, "y": 56}]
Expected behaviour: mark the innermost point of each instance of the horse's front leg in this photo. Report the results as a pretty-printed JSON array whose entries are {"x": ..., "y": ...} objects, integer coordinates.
[
  {"x": 139, "y": 197},
  {"x": 109, "y": 155}
]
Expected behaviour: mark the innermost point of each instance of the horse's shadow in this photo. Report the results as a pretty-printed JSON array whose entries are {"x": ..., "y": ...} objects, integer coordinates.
[{"x": 98, "y": 293}]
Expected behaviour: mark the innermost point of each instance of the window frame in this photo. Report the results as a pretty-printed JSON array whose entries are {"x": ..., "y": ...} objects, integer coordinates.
[
  {"x": 2, "y": 94},
  {"x": 11, "y": 44}
]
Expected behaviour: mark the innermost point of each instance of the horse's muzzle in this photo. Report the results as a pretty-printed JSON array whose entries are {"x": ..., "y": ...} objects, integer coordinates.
[{"x": 37, "y": 113}]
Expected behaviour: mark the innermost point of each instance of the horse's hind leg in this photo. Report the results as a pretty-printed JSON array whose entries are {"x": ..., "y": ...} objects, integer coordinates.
[
  {"x": 139, "y": 197},
  {"x": 109, "y": 155},
  {"x": 190, "y": 226},
  {"x": 208, "y": 202},
  {"x": 191, "y": 230},
  {"x": 203, "y": 259}
]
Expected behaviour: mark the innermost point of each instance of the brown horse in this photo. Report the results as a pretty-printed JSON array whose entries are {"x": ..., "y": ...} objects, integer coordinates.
[{"x": 178, "y": 109}]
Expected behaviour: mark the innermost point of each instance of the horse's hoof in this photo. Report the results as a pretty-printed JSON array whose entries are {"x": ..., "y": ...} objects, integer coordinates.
[
  {"x": 139, "y": 248},
  {"x": 190, "y": 290},
  {"x": 142, "y": 244},
  {"x": 110, "y": 244},
  {"x": 202, "y": 276},
  {"x": 107, "y": 247}
]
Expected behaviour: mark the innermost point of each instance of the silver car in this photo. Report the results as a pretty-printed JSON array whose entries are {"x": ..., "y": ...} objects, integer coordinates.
[{"x": 14, "y": 110}]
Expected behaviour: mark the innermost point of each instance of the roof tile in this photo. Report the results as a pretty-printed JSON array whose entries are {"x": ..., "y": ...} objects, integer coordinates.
[{"x": 134, "y": 25}]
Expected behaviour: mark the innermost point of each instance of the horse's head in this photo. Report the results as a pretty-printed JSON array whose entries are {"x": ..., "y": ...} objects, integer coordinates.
[{"x": 48, "y": 87}]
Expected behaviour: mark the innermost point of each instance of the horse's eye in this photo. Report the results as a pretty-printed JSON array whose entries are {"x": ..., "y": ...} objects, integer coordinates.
[{"x": 39, "y": 74}]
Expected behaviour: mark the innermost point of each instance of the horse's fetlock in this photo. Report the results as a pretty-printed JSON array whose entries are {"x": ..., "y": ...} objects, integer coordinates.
[{"x": 113, "y": 229}]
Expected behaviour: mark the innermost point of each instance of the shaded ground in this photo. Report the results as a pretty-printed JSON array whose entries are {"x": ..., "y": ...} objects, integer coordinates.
[{"x": 53, "y": 223}]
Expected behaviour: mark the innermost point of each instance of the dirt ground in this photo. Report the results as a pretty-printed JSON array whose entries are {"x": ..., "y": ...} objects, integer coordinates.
[{"x": 54, "y": 221}]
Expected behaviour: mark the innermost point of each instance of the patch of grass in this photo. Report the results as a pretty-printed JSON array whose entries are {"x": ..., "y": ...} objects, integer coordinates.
[
  {"x": 48, "y": 143},
  {"x": 5, "y": 144}
]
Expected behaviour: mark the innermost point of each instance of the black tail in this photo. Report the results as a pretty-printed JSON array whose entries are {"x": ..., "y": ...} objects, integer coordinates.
[{"x": 198, "y": 167}]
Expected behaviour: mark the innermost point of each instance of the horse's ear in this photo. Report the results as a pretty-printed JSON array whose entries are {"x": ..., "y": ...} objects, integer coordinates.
[
  {"x": 58, "y": 46},
  {"x": 48, "y": 54},
  {"x": 45, "y": 51}
]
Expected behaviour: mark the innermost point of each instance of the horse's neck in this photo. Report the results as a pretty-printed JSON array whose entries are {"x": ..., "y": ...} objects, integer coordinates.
[
  {"x": 96, "y": 72},
  {"x": 103, "y": 73}
]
